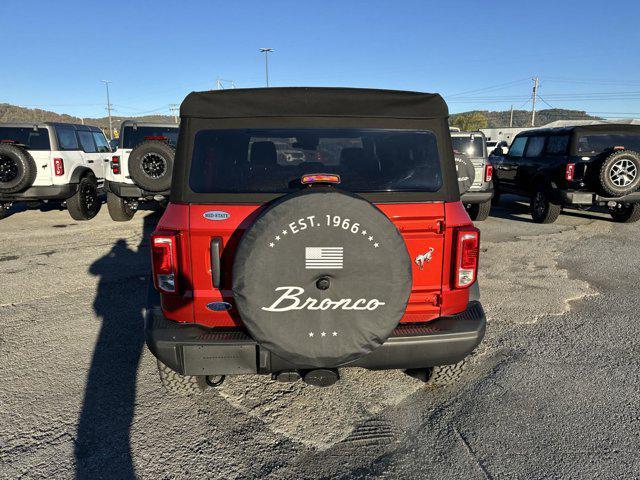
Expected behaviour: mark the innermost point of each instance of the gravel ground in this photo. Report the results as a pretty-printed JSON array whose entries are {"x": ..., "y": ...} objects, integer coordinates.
[{"x": 551, "y": 392}]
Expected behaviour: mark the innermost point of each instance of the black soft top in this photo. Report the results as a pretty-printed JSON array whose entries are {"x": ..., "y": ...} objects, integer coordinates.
[
  {"x": 584, "y": 129},
  {"x": 313, "y": 102}
]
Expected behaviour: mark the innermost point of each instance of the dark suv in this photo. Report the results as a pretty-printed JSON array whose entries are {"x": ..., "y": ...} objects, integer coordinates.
[
  {"x": 310, "y": 229},
  {"x": 580, "y": 166}
]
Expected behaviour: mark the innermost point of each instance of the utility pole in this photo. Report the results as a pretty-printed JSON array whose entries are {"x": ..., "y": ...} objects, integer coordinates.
[
  {"x": 511, "y": 117},
  {"x": 106, "y": 84},
  {"x": 536, "y": 81},
  {"x": 174, "y": 109},
  {"x": 266, "y": 52}
]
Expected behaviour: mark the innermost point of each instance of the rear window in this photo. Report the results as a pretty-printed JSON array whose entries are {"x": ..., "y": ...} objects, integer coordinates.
[
  {"x": 470, "y": 146},
  {"x": 595, "y": 144},
  {"x": 274, "y": 160},
  {"x": 130, "y": 137},
  {"x": 33, "y": 139}
]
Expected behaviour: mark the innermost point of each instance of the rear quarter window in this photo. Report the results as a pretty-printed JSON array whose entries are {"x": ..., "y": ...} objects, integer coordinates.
[{"x": 274, "y": 160}]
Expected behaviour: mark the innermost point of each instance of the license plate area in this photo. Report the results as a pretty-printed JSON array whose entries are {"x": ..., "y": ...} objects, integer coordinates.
[{"x": 219, "y": 359}]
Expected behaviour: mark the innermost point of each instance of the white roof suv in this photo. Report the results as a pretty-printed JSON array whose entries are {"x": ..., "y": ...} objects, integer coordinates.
[
  {"x": 52, "y": 161},
  {"x": 141, "y": 167}
]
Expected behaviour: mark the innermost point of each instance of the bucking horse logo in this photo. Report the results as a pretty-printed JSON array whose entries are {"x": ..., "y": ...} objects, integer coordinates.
[{"x": 425, "y": 257}]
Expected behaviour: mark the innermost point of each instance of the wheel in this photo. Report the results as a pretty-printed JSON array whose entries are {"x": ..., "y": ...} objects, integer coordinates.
[
  {"x": 17, "y": 168},
  {"x": 184, "y": 385},
  {"x": 439, "y": 376},
  {"x": 151, "y": 165},
  {"x": 85, "y": 203},
  {"x": 625, "y": 212},
  {"x": 543, "y": 210},
  {"x": 479, "y": 211},
  {"x": 121, "y": 209},
  {"x": 620, "y": 173}
]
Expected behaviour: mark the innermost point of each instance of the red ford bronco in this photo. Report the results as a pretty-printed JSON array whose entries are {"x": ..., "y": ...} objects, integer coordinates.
[{"x": 311, "y": 229}]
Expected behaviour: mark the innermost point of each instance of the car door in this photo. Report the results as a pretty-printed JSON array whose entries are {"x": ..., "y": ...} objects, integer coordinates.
[
  {"x": 532, "y": 164},
  {"x": 104, "y": 151},
  {"x": 90, "y": 153},
  {"x": 507, "y": 167}
]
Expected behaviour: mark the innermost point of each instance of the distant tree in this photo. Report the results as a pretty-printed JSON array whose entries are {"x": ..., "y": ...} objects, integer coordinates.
[{"x": 469, "y": 121}]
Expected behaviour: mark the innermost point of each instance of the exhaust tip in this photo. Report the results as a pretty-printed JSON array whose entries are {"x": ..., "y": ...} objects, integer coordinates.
[{"x": 322, "y": 377}]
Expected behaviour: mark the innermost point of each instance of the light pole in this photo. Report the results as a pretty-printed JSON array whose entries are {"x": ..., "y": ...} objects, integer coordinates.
[
  {"x": 106, "y": 84},
  {"x": 266, "y": 52}
]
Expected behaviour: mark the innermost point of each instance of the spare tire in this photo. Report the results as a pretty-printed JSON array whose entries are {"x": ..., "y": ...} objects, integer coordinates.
[
  {"x": 321, "y": 278},
  {"x": 17, "y": 168},
  {"x": 151, "y": 165},
  {"x": 466, "y": 173},
  {"x": 620, "y": 173}
]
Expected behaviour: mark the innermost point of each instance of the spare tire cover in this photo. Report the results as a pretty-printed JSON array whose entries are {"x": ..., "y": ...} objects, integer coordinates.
[
  {"x": 299, "y": 245},
  {"x": 466, "y": 173}
]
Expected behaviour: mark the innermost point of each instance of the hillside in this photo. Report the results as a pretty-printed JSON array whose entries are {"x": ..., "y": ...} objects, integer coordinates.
[
  {"x": 14, "y": 113},
  {"x": 521, "y": 118}
]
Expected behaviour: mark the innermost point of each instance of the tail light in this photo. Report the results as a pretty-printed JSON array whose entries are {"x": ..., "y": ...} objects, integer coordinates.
[
  {"x": 115, "y": 164},
  {"x": 467, "y": 253},
  {"x": 58, "y": 167},
  {"x": 164, "y": 254},
  {"x": 488, "y": 173},
  {"x": 571, "y": 169}
]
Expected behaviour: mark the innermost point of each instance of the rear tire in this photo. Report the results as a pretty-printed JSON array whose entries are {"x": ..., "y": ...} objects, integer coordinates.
[
  {"x": 17, "y": 169},
  {"x": 479, "y": 211},
  {"x": 543, "y": 210},
  {"x": 625, "y": 212},
  {"x": 439, "y": 376},
  {"x": 85, "y": 203},
  {"x": 185, "y": 385},
  {"x": 120, "y": 209}
]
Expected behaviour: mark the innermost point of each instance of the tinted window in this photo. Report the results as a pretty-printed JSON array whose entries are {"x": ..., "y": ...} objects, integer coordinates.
[
  {"x": 595, "y": 144},
  {"x": 37, "y": 139},
  {"x": 86, "y": 140},
  {"x": 557, "y": 145},
  {"x": 535, "y": 146},
  {"x": 273, "y": 161},
  {"x": 130, "y": 137},
  {"x": 470, "y": 146},
  {"x": 101, "y": 142},
  {"x": 67, "y": 139},
  {"x": 517, "y": 147}
]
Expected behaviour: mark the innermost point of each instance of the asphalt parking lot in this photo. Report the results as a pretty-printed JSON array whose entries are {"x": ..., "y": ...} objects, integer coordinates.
[{"x": 553, "y": 391}]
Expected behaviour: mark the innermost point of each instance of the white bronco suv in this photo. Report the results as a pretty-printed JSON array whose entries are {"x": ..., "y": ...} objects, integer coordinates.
[
  {"x": 52, "y": 161},
  {"x": 141, "y": 167}
]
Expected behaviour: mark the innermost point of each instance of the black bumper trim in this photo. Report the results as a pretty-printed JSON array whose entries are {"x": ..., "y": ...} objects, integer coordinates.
[
  {"x": 192, "y": 349},
  {"x": 127, "y": 190},
  {"x": 47, "y": 192},
  {"x": 473, "y": 197},
  {"x": 576, "y": 197}
]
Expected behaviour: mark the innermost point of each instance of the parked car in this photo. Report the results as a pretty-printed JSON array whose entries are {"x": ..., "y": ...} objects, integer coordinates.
[
  {"x": 54, "y": 162},
  {"x": 141, "y": 167},
  {"x": 474, "y": 173},
  {"x": 361, "y": 255},
  {"x": 580, "y": 166}
]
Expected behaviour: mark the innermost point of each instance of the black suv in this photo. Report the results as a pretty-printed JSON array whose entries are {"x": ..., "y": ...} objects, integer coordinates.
[{"x": 579, "y": 166}]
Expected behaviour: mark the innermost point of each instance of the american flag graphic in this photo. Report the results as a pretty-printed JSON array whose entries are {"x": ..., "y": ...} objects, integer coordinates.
[{"x": 323, "y": 257}]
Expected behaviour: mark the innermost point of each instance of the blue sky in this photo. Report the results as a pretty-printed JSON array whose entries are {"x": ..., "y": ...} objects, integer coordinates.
[{"x": 54, "y": 53}]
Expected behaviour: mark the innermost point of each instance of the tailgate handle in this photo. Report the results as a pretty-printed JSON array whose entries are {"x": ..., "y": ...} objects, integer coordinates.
[{"x": 215, "y": 261}]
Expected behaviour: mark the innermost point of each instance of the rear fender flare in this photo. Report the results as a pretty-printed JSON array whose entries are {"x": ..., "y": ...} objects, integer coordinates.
[{"x": 79, "y": 173}]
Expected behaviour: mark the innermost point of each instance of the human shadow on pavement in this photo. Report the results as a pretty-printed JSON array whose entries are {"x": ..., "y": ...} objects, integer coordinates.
[{"x": 102, "y": 447}]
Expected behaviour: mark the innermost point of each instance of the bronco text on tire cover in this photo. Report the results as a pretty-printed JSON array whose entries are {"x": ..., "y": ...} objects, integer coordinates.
[{"x": 321, "y": 278}]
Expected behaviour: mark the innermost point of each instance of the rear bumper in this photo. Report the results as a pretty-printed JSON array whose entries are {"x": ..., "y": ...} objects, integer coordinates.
[
  {"x": 473, "y": 197},
  {"x": 48, "y": 192},
  {"x": 192, "y": 349},
  {"x": 127, "y": 190},
  {"x": 575, "y": 197}
]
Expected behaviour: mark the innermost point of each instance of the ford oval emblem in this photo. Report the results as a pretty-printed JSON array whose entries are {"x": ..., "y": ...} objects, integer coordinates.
[
  {"x": 219, "y": 306},
  {"x": 216, "y": 215}
]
